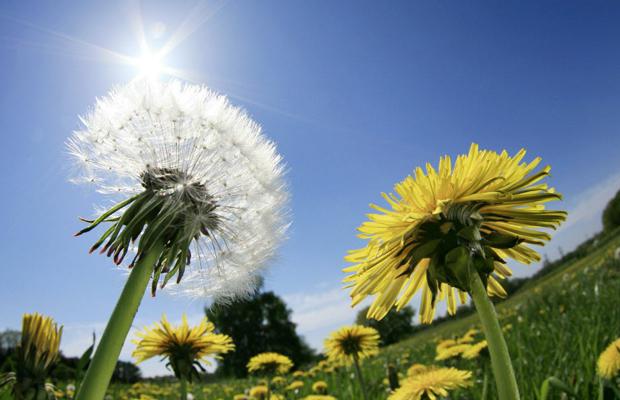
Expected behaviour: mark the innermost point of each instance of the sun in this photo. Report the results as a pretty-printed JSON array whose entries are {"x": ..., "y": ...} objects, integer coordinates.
[{"x": 149, "y": 64}]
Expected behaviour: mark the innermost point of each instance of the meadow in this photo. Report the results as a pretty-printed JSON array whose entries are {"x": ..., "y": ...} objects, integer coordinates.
[{"x": 556, "y": 326}]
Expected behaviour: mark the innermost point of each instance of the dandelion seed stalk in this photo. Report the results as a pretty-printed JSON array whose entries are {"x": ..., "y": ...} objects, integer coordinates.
[
  {"x": 204, "y": 199},
  {"x": 505, "y": 380},
  {"x": 104, "y": 360}
]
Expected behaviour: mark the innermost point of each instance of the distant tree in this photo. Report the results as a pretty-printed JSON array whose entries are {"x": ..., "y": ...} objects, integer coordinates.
[
  {"x": 258, "y": 324},
  {"x": 126, "y": 372},
  {"x": 395, "y": 326},
  {"x": 9, "y": 339},
  {"x": 611, "y": 214}
]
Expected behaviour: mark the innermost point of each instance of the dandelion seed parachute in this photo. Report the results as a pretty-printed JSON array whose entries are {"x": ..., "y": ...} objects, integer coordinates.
[{"x": 204, "y": 165}]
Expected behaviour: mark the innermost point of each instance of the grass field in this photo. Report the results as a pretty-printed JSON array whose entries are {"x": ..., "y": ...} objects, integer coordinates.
[{"x": 555, "y": 326}]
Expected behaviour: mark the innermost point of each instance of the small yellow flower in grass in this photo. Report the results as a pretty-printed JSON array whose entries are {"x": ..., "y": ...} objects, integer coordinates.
[
  {"x": 443, "y": 224},
  {"x": 453, "y": 351},
  {"x": 259, "y": 392},
  {"x": 416, "y": 369},
  {"x": 319, "y": 397},
  {"x": 352, "y": 342},
  {"x": 270, "y": 363},
  {"x": 240, "y": 397},
  {"x": 609, "y": 361},
  {"x": 474, "y": 350},
  {"x": 468, "y": 337},
  {"x": 444, "y": 344},
  {"x": 299, "y": 374},
  {"x": 278, "y": 381},
  {"x": 319, "y": 387},
  {"x": 184, "y": 347},
  {"x": 432, "y": 384},
  {"x": 295, "y": 385}
]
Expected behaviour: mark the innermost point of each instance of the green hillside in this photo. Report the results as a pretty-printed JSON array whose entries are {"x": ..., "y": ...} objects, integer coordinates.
[{"x": 555, "y": 325}]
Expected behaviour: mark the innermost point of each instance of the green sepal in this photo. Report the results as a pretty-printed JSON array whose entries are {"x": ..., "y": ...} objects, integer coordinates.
[
  {"x": 432, "y": 277},
  {"x": 458, "y": 262},
  {"x": 470, "y": 233},
  {"x": 157, "y": 228},
  {"x": 419, "y": 253},
  {"x": 125, "y": 218},
  {"x": 156, "y": 273},
  {"x": 106, "y": 214},
  {"x": 501, "y": 241}
]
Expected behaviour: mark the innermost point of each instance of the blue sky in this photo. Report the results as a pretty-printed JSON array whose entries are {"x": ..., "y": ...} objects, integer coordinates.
[{"x": 356, "y": 94}]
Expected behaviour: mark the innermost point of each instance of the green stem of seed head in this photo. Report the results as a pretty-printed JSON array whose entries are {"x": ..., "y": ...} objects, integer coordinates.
[
  {"x": 505, "y": 380},
  {"x": 360, "y": 378},
  {"x": 104, "y": 361}
]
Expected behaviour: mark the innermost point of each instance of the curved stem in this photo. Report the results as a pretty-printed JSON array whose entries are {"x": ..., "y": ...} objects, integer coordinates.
[
  {"x": 505, "y": 381},
  {"x": 358, "y": 372},
  {"x": 102, "y": 365}
]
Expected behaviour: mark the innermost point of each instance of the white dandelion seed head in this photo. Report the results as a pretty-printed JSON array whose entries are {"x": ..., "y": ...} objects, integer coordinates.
[{"x": 141, "y": 131}]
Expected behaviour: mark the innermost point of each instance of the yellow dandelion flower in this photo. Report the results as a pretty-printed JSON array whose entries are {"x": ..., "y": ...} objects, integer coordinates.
[
  {"x": 278, "y": 381},
  {"x": 474, "y": 350},
  {"x": 608, "y": 364},
  {"x": 40, "y": 341},
  {"x": 36, "y": 354},
  {"x": 319, "y": 387},
  {"x": 240, "y": 397},
  {"x": 299, "y": 374},
  {"x": 295, "y": 385},
  {"x": 352, "y": 342},
  {"x": 434, "y": 383},
  {"x": 270, "y": 363},
  {"x": 416, "y": 369},
  {"x": 444, "y": 344},
  {"x": 259, "y": 392},
  {"x": 182, "y": 346},
  {"x": 468, "y": 337},
  {"x": 453, "y": 351},
  {"x": 444, "y": 224},
  {"x": 319, "y": 397}
]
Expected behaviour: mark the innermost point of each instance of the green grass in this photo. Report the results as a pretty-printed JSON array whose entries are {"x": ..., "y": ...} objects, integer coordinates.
[{"x": 558, "y": 325}]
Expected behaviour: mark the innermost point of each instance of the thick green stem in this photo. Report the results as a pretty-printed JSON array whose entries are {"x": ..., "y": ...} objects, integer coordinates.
[
  {"x": 102, "y": 365},
  {"x": 360, "y": 378},
  {"x": 183, "y": 389},
  {"x": 505, "y": 381}
]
